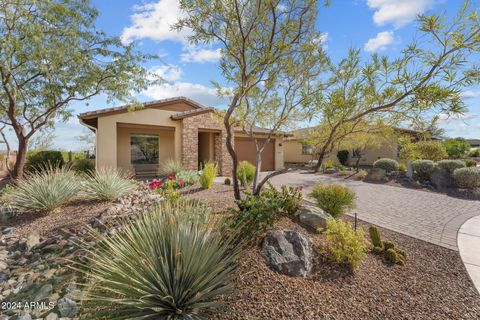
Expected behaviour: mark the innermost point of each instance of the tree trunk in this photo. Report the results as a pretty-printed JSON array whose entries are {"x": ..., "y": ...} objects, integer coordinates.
[
  {"x": 256, "y": 179},
  {"x": 357, "y": 163},
  {"x": 18, "y": 168},
  {"x": 321, "y": 156},
  {"x": 230, "y": 149}
]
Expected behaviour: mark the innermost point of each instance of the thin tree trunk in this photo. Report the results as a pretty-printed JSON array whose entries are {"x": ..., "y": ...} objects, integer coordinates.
[
  {"x": 230, "y": 149},
  {"x": 256, "y": 179},
  {"x": 321, "y": 157},
  {"x": 18, "y": 168}
]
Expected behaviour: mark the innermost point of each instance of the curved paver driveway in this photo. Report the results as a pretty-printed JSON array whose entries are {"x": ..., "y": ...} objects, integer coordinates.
[{"x": 429, "y": 216}]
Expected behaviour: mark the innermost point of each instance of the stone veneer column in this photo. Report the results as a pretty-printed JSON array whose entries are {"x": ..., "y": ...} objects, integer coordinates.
[{"x": 190, "y": 144}]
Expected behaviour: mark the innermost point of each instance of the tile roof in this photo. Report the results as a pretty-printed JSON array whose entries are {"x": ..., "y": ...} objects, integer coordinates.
[{"x": 189, "y": 113}]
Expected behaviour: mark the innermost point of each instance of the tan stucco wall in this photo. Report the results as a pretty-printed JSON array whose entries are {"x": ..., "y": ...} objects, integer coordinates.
[
  {"x": 107, "y": 146},
  {"x": 166, "y": 145},
  {"x": 293, "y": 153}
]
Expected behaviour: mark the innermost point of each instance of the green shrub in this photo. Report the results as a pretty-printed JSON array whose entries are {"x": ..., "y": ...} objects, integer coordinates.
[
  {"x": 467, "y": 177},
  {"x": 342, "y": 156},
  {"x": 423, "y": 168},
  {"x": 456, "y": 148},
  {"x": 344, "y": 244},
  {"x": 188, "y": 176},
  {"x": 171, "y": 166},
  {"x": 245, "y": 173},
  {"x": 208, "y": 174},
  {"x": 424, "y": 150},
  {"x": 386, "y": 164},
  {"x": 361, "y": 174},
  {"x": 470, "y": 162},
  {"x": 84, "y": 165},
  {"x": 402, "y": 167},
  {"x": 288, "y": 197},
  {"x": 106, "y": 184},
  {"x": 474, "y": 153},
  {"x": 256, "y": 215},
  {"x": 174, "y": 262},
  {"x": 42, "y": 159},
  {"x": 375, "y": 237},
  {"x": 333, "y": 199},
  {"x": 451, "y": 165},
  {"x": 227, "y": 181},
  {"x": 45, "y": 190},
  {"x": 330, "y": 164}
]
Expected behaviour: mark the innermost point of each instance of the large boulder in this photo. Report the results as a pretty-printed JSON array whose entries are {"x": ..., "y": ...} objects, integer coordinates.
[
  {"x": 441, "y": 179},
  {"x": 313, "y": 217},
  {"x": 376, "y": 175},
  {"x": 288, "y": 252}
]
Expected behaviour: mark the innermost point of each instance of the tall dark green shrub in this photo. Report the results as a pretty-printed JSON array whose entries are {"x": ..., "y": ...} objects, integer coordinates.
[
  {"x": 36, "y": 161},
  {"x": 342, "y": 156}
]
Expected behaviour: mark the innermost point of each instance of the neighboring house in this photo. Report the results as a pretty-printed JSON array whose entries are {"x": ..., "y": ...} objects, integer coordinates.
[
  {"x": 176, "y": 128},
  {"x": 474, "y": 143},
  {"x": 295, "y": 152}
]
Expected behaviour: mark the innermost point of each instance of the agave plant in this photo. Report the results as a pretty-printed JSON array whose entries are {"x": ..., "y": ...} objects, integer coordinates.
[
  {"x": 106, "y": 184},
  {"x": 172, "y": 263},
  {"x": 44, "y": 190}
]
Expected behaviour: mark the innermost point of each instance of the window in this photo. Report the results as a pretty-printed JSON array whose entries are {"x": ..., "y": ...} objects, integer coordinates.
[
  {"x": 144, "y": 148},
  {"x": 307, "y": 150}
]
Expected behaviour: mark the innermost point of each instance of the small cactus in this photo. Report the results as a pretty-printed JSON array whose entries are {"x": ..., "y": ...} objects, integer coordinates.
[
  {"x": 375, "y": 237},
  {"x": 391, "y": 256},
  {"x": 388, "y": 245},
  {"x": 377, "y": 250},
  {"x": 227, "y": 182}
]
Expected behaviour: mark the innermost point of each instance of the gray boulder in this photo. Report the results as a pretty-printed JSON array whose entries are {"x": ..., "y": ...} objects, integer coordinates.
[
  {"x": 67, "y": 307},
  {"x": 313, "y": 217},
  {"x": 43, "y": 293},
  {"x": 376, "y": 175},
  {"x": 288, "y": 252},
  {"x": 441, "y": 179}
]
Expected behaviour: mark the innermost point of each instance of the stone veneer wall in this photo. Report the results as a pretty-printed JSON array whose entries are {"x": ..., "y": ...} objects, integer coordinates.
[{"x": 190, "y": 126}]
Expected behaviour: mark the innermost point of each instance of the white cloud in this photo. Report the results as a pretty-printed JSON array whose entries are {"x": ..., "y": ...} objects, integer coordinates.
[
  {"x": 470, "y": 94},
  {"x": 380, "y": 41},
  {"x": 167, "y": 72},
  {"x": 398, "y": 12},
  {"x": 323, "y": 39},
  {"x": 200, "y": 55},
  {"x": 155, "y": 21}
]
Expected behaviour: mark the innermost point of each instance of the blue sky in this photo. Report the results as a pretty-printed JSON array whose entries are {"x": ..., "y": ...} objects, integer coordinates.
[{"x": 383, "y": 26}]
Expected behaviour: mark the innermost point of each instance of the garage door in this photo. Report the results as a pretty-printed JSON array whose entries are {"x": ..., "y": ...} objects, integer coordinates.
[{"x": 245, "y": 149}]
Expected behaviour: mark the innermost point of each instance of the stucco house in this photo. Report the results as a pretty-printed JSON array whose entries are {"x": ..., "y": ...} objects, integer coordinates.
[
  {"x": 176, "y": 128},
  {"x": 295, "y": 152}
]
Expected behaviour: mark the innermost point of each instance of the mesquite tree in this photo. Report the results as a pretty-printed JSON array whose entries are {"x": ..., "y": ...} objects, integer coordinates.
[
  {"x": 262, "y": 42},
  {"x": 51, "y": 55},
  {"x": 427, "y": 77}
]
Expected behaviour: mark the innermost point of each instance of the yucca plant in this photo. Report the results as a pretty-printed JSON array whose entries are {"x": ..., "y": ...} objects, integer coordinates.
[
  {"x": 44, "y": 190},
  {"x": 171, "y": 166},
  {"x": 106, "y": 184},
  {"x": 172, "y": 263}
]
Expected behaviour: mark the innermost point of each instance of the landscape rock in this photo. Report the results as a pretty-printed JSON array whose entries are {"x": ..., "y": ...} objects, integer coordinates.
[
  {"x": 44, "y": 292},
  {"x": 32, "y": 240},
  {"x": 441, "y": 179},
  {"x": 330, "y": 170},
  {"x": 313, "y": 217},
  {"x": 67, "y": 307},
  {"x": 52, "y": 316},
  {"x": 288, "y": 252},
  {"x": 6, "y": 213},
  {"x": 376, "y": 175}
]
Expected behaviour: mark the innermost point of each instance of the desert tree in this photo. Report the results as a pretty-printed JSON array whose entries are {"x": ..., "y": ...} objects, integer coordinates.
[
  {"x": 426, "y": 78},
  {"x": 51, "y": 55},
  {"x": 258, "y": 39}
]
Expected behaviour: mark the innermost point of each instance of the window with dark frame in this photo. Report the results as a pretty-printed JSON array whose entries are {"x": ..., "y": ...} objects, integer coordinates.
[{"x": 144, "y": 148}]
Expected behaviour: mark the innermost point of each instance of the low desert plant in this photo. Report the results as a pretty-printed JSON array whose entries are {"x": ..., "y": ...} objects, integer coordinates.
[
  {"x": 39, "y": 160},
  {"x": 423, "y": 168},
  {"x": 423, "y": 150},
  {"x": 189, "y": 177},
  {"x": 245, "y": 173},
  {"x": 333, "y": 199},
  {"x": 468, "y": 178},
  {"x": 330, "y": 164},
  {"x": 391, "y": 254},
  {"x": 451, "y": 165},
  {"x": 386, "y": 164},
  {"x": 171, "y": 166},
  {"x": 44, "y": 190},
  {"x": 361, "y": 174},
  {"x": 470, "y": 163},
  {"x": 456, "y": 147},
  {"x": 375, "y": 237},
  {"x": 344, "y": 244},
  {"x": 257, "y": 213},
  {"x": 174, "y": 262},
  {"x": 83, "y": 165},
  {"x": 227, "y": 182},
  {"x": 402, "y": 167},
  {"x": 106, "y": 184},
  {"x": 289, "y": 198},
  {"x": 208, "y": 174},
  {"x": 474, "y": 152}
]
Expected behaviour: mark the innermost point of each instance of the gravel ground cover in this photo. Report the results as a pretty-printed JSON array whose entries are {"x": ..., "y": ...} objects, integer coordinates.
[{"x": 433, "y": 285}]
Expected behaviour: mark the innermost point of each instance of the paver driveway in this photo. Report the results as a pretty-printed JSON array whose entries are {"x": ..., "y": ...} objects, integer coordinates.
[{"x": 429, "y": 216}]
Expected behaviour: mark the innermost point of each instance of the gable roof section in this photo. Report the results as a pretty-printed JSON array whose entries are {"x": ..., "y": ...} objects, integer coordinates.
[
  {"x": 190, "y": 113},
  {"x": 150, "y": 104}
]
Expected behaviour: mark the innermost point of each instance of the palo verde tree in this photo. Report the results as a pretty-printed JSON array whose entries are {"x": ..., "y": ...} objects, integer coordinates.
[
  {"x": 51, "y": 55},
  {"x": 427, "y": 77},
  {"x": 262, "y": 42}
]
